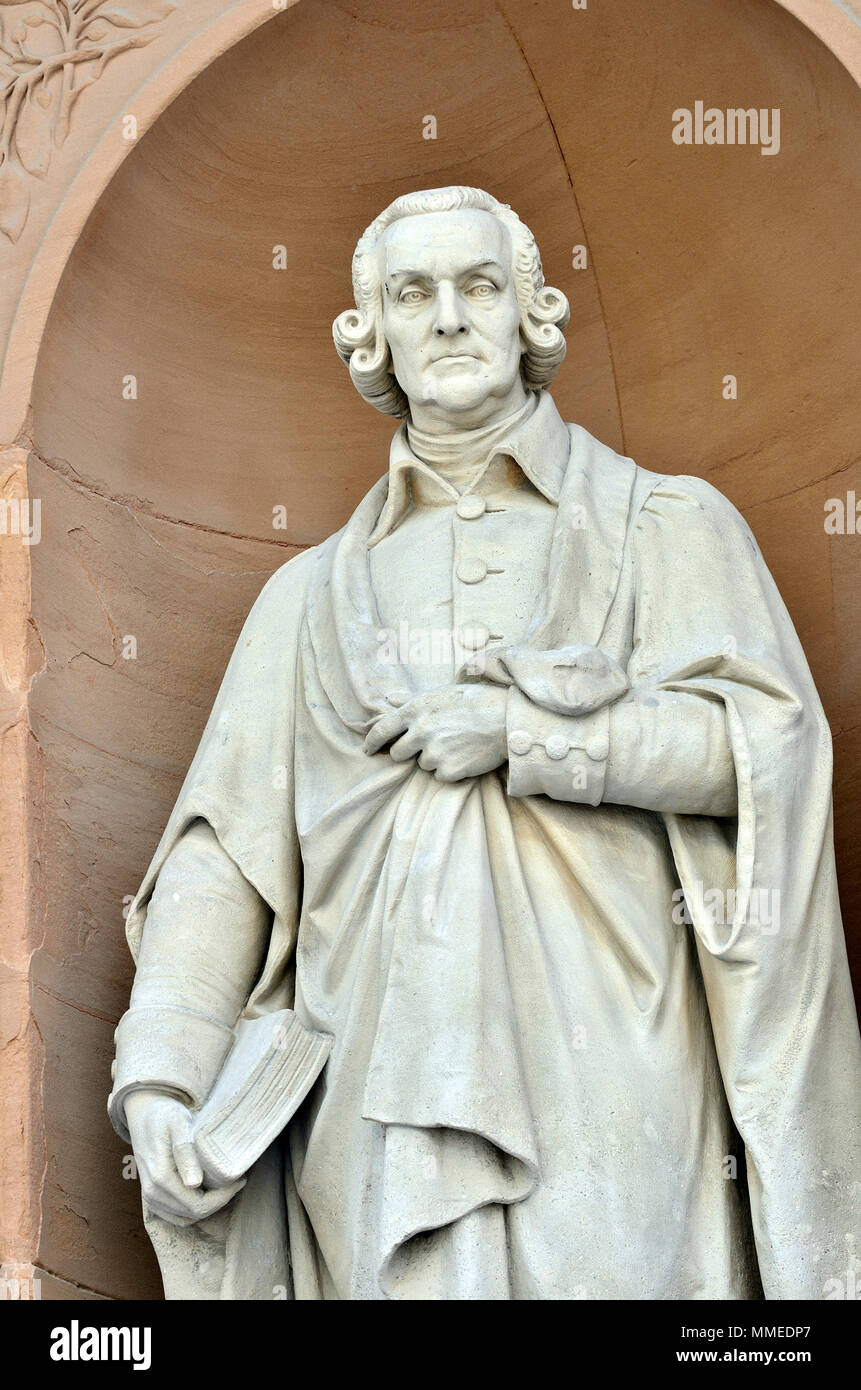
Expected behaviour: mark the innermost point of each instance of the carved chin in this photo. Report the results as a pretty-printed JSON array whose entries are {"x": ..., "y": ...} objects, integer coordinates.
[{"x": 459, "y": 388}]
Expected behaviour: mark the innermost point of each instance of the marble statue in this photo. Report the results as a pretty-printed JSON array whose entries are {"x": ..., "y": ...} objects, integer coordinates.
[{"x": 518, "y": 789}]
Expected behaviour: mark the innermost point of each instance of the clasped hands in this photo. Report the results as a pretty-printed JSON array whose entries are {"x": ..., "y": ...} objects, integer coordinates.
[
  {"x": 454, "y": 732},
  {"x": 459, "y": 730}
]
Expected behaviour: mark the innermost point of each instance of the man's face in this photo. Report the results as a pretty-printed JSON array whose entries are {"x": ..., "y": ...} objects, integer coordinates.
[{"x": 450, "y": 314}]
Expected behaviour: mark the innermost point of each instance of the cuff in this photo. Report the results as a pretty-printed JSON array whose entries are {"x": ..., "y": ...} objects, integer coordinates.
[
  {"x": 166, "y": 1049},
  {"x": 558, "y": 755}
]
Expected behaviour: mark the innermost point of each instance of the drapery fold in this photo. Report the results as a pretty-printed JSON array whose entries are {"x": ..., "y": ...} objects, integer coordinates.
[
  {"x": 450, "y": 938},
  {"x": 769, "y": 937}
]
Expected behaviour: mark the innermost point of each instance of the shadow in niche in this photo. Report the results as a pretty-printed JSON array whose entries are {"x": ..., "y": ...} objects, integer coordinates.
[{"x": 158, "y": 509}]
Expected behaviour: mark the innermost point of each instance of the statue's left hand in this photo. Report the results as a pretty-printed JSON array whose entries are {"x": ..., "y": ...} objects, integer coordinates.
[{"x": 455, "y": 732}]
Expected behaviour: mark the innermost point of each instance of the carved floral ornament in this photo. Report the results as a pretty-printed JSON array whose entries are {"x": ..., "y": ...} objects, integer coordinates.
[{"x": 50, "y": 52}]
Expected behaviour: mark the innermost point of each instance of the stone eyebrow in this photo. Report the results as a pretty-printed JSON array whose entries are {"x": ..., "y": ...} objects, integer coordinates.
[{"x": 401, "y": 272}]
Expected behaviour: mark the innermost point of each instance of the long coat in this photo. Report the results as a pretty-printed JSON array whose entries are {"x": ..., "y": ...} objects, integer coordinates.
[{"x": 547, "y": 1081}]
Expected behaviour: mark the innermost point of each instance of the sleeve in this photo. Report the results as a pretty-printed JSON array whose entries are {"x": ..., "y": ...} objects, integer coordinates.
[
  {"x": 559, "y": 755},
  {"x": 230, "y": 850},
  {"x": 203, "y": 946},
  {"x": 659, "y": 751}
]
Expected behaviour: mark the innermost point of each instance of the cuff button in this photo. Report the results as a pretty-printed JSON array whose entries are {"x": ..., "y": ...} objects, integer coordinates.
[
  {"x": 519, "y": 741},
  {"x": 556, "y": 747}
]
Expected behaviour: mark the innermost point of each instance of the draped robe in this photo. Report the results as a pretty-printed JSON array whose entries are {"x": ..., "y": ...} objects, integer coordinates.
[{"x": 543, "y": 1084}]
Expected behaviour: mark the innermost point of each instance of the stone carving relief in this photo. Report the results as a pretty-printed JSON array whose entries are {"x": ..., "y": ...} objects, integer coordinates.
[{"x": 50, "y": 53}]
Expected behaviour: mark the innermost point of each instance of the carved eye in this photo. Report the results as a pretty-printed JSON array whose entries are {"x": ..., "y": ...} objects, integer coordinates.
[
  {"x": 413, "y": 296},
  {"x": 483, "y": 290}
]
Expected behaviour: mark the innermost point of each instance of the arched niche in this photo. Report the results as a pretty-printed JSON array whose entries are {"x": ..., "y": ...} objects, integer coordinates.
[{"x": 157, "y": 510}]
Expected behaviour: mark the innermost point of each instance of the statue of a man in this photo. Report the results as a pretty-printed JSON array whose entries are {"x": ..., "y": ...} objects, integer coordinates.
[{"x": 519, "y": 788}]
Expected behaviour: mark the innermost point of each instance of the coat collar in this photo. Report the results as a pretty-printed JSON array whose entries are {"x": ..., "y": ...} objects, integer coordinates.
[{"x": 539, "y": 445}]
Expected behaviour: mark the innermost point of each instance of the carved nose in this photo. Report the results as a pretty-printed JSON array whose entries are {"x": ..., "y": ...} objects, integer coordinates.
[{"x": 449, "y": 317}]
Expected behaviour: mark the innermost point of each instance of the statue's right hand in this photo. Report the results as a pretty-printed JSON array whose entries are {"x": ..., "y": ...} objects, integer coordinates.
[{"x": 170, "y": 1173}]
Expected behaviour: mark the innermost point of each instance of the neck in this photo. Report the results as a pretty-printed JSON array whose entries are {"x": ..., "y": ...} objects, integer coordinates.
[{"x": 458, "y": 455}]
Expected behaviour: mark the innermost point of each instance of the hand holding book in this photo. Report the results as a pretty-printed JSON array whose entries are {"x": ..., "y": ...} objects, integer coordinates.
[
  {"x": 170, "y": 1173},
  {"x": 192, "y": 1163}
]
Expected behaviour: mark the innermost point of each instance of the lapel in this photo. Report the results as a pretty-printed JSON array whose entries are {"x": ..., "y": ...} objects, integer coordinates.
[
  {"x": 588, "y": 542},
  {"x": 344, "y": 627}
]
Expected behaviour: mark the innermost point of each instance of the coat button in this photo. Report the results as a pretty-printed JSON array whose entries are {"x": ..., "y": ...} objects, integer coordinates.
[
  {"x": 519, "y": 741},
  {"x": 471, "y": 571},
  {"x": 470, "y": 506},
  {"x": 474, "y": 638},
  {"x": 557, "y": 746}
]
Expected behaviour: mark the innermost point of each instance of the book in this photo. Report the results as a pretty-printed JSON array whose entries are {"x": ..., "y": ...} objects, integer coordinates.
[{"x": 271, "y": 1066}]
